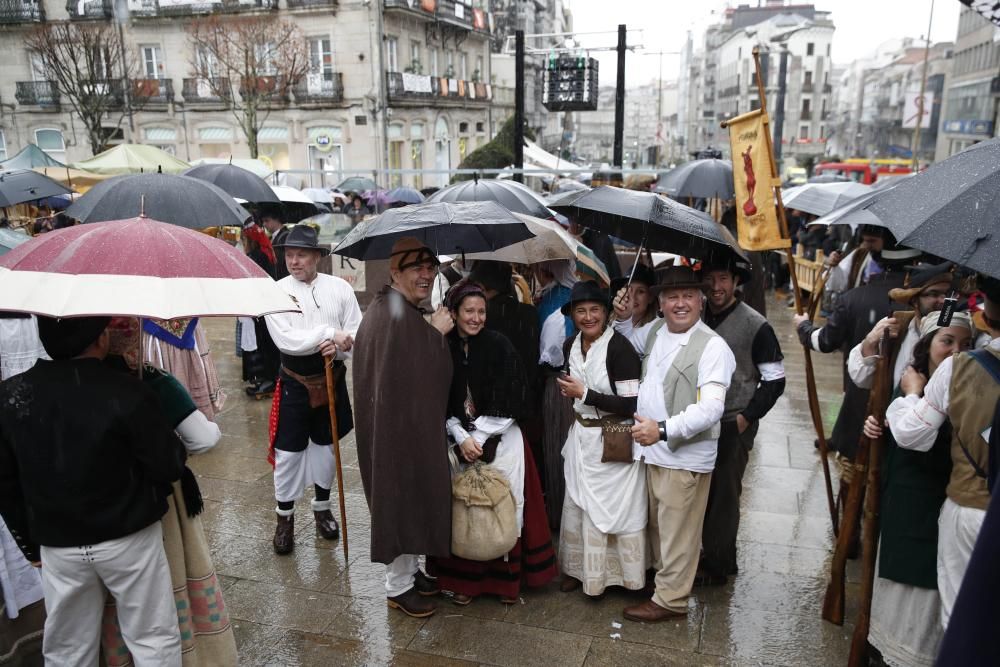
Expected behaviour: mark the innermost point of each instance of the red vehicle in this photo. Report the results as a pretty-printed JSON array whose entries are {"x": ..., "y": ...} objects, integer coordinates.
[{"x": 864, "y": 171}]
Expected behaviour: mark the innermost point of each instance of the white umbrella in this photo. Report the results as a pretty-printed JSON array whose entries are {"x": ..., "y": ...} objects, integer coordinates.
[
  {"x": 823, "y": 198},
  {"x": 318, "y": 195},
  {"x": 289, "y": 194},
  {"x": 550, "y": 241}
]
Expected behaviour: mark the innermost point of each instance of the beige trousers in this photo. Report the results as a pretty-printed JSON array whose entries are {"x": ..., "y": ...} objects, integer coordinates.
[{"x": 677, "y": 502}]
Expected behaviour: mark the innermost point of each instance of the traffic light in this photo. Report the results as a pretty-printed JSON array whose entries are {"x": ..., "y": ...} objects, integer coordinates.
[{"x": 569, "y": 83}]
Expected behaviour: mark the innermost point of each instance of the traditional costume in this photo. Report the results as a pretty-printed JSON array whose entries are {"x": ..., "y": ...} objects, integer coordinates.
[
  {"x": 259, "y": 354},
  {"x": 684, "y": 381},
  {"x": 75, "y": 426},
  {"x": 758, "y": 382},
  {"x": 402, "y": 370},
  {"x": 300, "y": 435},
  {"x": 20, "y": 346},
  {"x": 181, "y": 349},
  {"x": 488, "y": 395},
  {"x": 602, "y": 535}
]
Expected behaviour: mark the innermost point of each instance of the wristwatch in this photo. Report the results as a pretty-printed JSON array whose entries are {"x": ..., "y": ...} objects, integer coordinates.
[{"x": 663, "y": 431}]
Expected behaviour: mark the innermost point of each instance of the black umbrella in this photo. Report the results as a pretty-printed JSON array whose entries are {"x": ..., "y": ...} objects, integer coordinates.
[
  {"x": 356, "y": 184},
  {"x": 178, "y": 200},
  {"x": 21, "y": 185},
  {"x": 444, "y": 227},
  {"x": 652, "y": 220},
  {"x": 513, "y": 196},
  {"x": 951, "y": 210},
  {"x": 236, "y": 181},
  {"x": 707, "y": 179}
]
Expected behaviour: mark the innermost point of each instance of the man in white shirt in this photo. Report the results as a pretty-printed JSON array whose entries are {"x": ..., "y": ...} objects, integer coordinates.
[
  {"x": 687, "y": 369},
  {"x": 300, "y": 421}
]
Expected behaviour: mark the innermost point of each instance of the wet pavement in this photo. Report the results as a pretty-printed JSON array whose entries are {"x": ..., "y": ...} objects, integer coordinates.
[{"x": 313, "y": 608}]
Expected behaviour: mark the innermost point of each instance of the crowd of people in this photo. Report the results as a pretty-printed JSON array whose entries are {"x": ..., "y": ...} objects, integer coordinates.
[{"x": 608, "y": 428}]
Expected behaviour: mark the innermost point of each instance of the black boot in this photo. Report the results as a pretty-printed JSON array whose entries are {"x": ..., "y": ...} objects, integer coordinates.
[{"x": 284, "y": 535}]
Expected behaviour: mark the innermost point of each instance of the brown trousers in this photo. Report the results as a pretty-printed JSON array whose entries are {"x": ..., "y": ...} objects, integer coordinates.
[{"x": 677, "y": 501}]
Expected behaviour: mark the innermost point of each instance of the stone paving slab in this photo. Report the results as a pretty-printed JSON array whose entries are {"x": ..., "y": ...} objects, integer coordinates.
[{"x": 313, "y": 608}]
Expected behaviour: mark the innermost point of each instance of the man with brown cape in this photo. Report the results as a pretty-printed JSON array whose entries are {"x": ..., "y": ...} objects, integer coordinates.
[{"x": 402, "y": 373}]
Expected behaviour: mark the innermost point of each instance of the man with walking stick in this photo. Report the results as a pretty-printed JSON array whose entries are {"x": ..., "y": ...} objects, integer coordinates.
[{"x": 300, "y": 426}]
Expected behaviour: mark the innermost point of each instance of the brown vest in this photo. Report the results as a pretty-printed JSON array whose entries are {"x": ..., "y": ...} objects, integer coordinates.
[{"x": 972, "y": 397}]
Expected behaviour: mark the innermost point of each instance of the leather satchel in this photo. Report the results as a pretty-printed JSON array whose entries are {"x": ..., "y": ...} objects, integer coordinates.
[{"x": 617, "y": 437}]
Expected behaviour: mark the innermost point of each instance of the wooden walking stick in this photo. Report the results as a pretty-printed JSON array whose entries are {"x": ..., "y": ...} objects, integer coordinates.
[
  {"x": 332, "y": 405},
  {"x": 868, "y": 457}
]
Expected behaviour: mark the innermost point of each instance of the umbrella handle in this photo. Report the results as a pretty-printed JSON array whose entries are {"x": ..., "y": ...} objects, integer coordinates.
[{"x": 635, "y": 263}]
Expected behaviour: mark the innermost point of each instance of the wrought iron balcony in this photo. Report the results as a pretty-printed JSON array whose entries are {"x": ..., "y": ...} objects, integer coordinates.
[
  {"x": 198, "y": 7},
  {"x": 807, "y": 87},
  {"x": 206, "y": 91},
  {"x": 269, "y": 88},
  {"x": 112, "y": 91},
  {"x": 455, "y": 12},
  {"x": 21, "y": 11},
  {"x": 432, "y": 89},
  {"x": 316, "y": 89},
  {"x": 37, "y": 93},
  {"x": 90, "y": 9},
  {"x": 311, "y": 4},
  {"x": 805, "y": 114},
  {"x": 153, "y": 91}
]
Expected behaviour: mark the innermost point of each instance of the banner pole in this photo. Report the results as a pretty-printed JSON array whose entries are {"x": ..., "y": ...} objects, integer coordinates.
[{"x": 814, "y": 409}]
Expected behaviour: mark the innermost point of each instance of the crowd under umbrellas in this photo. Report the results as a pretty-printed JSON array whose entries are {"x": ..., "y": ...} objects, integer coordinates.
[{"x": 136, "y": 254}]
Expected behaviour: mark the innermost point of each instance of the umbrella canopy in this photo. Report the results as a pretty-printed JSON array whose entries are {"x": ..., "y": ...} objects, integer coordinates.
[
  {"x": 550, "y": 241},
  {"x": 707, "y": 179},
  {"x": 651, "y": 219},
  {"x": 950, "y": 210},
  {"x": 568, "y": 185},
  {"x": 318, "y": 195},
  {"x": 829, "y": 178},
  {"x": 285, "y": 193},
  {"x": 356, "y": 184},
  {"x": 178, "y": 200},
  {"x": 404, "y": 195},
  {"x": 132, "y": 159},
  {"x": 10, "y": 239},
  {"x": 254, "y": 165},
  {"x": 823, "y": 198},
  {"x": 446, "y": 228},
  {"x": 513, "y": 196},
  {"x": 236, "y": 181},
  {"x": 74, "y": 179},
  {"x": 376, "y": 199},
  {"x": 29, "y": 157},
  {"x": 138, "y": 268},
  {"x": 22, "y": 185}
]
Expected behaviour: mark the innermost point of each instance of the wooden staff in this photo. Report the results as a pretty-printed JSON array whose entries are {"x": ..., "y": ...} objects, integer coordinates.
[
  {"x": 867, "y": 461},
  {"x": 814, "y": 409},
  {"x": 332, "y": 405}
]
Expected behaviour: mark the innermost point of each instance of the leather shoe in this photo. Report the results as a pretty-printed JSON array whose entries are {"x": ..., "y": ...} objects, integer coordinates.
[
  {"x": 412, "y": 604},
  {"x": 284, "y": 535},
  {"x": 326, "y": 525},
  {"x": 650, "y": 612},
  {"x": 424, "y": 585},
  {"x": 568, "y": 584}
]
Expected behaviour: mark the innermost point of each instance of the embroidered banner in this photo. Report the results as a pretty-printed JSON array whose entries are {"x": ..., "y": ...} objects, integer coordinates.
[{"x": 756, "y": 214}]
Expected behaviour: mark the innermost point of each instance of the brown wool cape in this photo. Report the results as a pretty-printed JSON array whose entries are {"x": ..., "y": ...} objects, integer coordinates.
[{"x": 402, "y": 373}]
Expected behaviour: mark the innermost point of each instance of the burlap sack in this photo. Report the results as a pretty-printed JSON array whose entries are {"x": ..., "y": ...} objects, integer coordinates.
[{"x": 483, "y": 514}]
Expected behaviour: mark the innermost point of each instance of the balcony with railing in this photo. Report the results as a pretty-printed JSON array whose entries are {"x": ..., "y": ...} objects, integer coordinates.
[
  {"x": 805, "y": 114},
  {"x": 319, "y": 89},
  {"x": 311, "y": 4},
  {"x": 153, "y": 91},
  {"x": 452, "y": 12},
  {"x": 108, "y": 93},
  {"x": 37, "y": 94},
  {"x": 166, "y": 8},
  {"x": 21, "y": 11},
  {"x": 213, "y": 91},
  {"x": 432, "y": 90},
  {"x": 271, "y": 90},
  {"x": 807, "y": 87},
  {"x": 90, "y": 9},
  {"x": 425, "y": 8}
]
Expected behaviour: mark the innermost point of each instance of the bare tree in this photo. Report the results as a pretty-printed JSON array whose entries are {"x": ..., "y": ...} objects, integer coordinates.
[
  {"x": 91, "y": 67},
  {"x": 257, "y": 57}
]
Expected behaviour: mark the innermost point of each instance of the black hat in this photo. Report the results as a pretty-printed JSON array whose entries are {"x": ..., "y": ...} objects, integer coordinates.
[
  {"x": 67, "y": 338},
  {"x": 738, "y": 267},
  {"x": 643, "y": 274},
  {"x": 303, "y": 236},
  {"x": 492, "y": 275},
  {"x": 678, "y": 277},
  {"x": 585, "y": 290}
]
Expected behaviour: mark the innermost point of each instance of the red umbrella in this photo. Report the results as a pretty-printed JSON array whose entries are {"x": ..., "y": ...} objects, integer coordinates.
[{"x": 137, "y": 267}]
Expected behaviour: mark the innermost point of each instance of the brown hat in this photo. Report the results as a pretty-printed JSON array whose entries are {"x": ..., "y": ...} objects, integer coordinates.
[
  {"x": 920, "y": 280},
  {"x": 678, "y": 277},
  {"x": 410, "y": 251}
]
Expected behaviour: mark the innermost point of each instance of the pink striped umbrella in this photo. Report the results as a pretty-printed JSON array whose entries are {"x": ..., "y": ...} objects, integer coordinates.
[{"x": 138, "y": 267}]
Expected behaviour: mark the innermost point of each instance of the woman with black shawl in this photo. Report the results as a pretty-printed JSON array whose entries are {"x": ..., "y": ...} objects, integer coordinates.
[{"x": 489, "y": 393}]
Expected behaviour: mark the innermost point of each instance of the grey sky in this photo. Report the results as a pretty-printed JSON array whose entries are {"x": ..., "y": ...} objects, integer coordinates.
[{"x": 861, "y": 26}]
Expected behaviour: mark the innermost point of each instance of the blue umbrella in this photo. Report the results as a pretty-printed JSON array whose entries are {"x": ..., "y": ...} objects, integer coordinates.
[
  {"x": 10, "y": 239},
  {"x": 403, "y": 195}
]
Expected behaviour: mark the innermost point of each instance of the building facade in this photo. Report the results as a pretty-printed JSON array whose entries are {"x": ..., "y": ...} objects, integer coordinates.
[{"x": 392, "y": 84}]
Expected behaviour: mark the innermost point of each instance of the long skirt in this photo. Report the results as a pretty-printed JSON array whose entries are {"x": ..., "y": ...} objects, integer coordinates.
[
  {"x": 532, "y": 561},
  {"x": 905, "y": 623},
  {"x": 194, "y": 369},
  {"x": 206, "y": 635},
  {"x": 557, "y": 413},
  {"x": 597, "y": 559}
]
